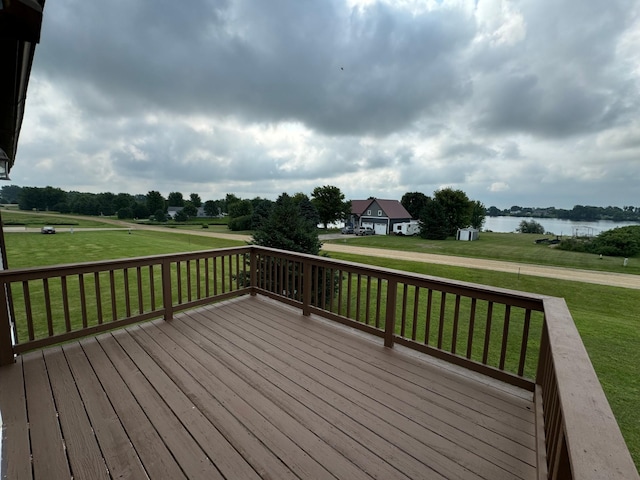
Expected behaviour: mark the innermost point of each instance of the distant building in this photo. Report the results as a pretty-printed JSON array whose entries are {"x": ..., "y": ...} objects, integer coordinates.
[{"x": 378, "y": 214}]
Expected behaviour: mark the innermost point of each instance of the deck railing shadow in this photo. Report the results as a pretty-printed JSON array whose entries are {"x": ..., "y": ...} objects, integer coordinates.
[{"x": 527, "y": 340}]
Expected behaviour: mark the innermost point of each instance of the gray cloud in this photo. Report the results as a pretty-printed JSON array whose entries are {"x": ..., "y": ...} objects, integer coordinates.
[{"x": 536, "y": 100}]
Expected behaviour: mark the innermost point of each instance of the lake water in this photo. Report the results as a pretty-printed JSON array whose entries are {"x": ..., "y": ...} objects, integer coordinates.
[{"x": 555, "y": 225}]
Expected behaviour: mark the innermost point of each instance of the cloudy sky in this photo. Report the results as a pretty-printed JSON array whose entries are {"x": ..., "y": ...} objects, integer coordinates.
[{"x": 533, "y": 102}]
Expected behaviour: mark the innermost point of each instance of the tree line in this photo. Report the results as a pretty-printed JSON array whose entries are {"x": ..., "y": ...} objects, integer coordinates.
[
  {"x": 585, "y": 213},
  {"x": 326, "y": 204}
]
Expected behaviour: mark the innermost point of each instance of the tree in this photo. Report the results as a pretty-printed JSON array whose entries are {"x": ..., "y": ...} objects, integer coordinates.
[
  {"x": 155, "y": 201},
  {"x": 414, "y": 202},
  {"x": 181, "y": 216},
  {"x": 456, "y": 208},
  {"x": 477, "y": 215},
  {"x": 211, "y": 208},
  {"x": 493, "y": 211},
  {"x": 261, "y": 211},
  {"x": 195, "y": 200},
  {"x": 189, "y": 209},
  {"x": 240, "y": 208},
  {"x": 330, "y": 203},
  {"x": 433, "y": 222},
  {"x": 175, "y": 199},
  {"x": 530, "y": 226},
  {"x": 10, "y": 193},
  {"x": 159, "y": 216},
  {"x": 125, "y": 213},
  {"x": 307, "y": 209},
  {"x": 286, "y": 228}
]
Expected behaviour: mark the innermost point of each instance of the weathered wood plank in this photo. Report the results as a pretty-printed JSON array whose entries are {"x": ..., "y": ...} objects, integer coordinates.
[
  {"x": 464, "y": 448},
  {"x": 47, "y": 445},
  {"x": 119, "y": 454},
  {"x": 192, "y": 378},
  {"x": 80, "y": 442},
  {"x": 184, "y": 449},
  {"x": 154, "y": 454},
  {"x": 16, "y": 454},
  {"x": 272, "y": 426},
  {"x": 222, "y": 454}
]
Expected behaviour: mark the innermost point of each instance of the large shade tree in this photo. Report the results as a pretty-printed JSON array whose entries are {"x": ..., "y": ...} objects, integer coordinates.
[
  {"x": 155, "y": 201},
  {"x": 414, "y": 203},
  {"x": 330, "y": 204}
]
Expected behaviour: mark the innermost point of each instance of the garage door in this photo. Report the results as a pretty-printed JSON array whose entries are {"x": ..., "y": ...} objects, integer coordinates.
[{"x": 380, "y": 228}]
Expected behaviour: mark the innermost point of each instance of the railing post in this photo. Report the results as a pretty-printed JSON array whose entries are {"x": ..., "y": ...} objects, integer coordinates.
[
  {"x": 253, "y": 274},
  {"x": 167, "y": 297},
  {"x": 6, "y": 345},
  {"x": 307, "y": 286},
  {"x": 390, "y": 319}
]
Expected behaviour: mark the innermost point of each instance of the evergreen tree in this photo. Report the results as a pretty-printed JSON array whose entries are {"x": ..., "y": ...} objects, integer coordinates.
[{"x": 287, "y": 229}]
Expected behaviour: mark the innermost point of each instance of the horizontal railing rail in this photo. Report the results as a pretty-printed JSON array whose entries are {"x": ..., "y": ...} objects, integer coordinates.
[
  {"x": 524, "y": 339},
  {"x": 490, "y": 330},
  {"x": 63, "y": 302}
]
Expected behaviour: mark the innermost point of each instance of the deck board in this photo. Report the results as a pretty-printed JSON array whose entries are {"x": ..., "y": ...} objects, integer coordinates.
[{"x": 252, "y": 389}]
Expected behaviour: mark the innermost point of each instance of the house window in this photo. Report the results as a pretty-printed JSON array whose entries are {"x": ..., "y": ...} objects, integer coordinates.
[
  {"x": 379, "y": 213},
  {"x": 368, "y": 212}
]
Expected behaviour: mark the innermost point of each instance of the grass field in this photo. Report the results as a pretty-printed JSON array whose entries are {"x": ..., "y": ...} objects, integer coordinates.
[
  {"x": 607, "y": 317},
  {"x": 499, "y": 246},
  {"x": 39, "y": 219}
]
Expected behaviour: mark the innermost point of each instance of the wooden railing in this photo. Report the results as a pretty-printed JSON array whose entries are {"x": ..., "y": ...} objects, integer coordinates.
[{"x": 524, "y": 339}]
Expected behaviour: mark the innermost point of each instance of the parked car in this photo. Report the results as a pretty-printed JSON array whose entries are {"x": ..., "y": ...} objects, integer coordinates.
[
  {"x": 347, "y": 231},
  {"x": 364, "y": 231},
  {"x": 48, "y": 230}
]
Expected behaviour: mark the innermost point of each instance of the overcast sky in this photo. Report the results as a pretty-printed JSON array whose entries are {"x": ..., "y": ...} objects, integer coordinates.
[{"x": 533, "y": 103}]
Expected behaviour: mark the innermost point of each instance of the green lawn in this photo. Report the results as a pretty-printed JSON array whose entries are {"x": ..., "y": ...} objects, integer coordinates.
[
  {"x": 39, "y": 219},
  {"x": 607, "y": 317},
  {"x": 509, "y": 247},
  {"x": 34, "y": 249}
]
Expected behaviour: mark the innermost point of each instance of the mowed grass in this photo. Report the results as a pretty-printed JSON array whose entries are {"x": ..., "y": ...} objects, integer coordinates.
[
  {"x": 40, "y": 219},
  {"x": 607, "y": 317},
  {"x": 509, "y": 247},
  {"x": 34, "y": 249}
]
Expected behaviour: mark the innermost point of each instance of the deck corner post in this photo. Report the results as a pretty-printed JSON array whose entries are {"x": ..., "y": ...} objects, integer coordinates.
[
  {"x": 167, "y": 297},
  {"x": 253, "y": 265},
  {"x": 6, "y": 344},
  {"x": 307, "y": 287},
  {"x": 390, "y": 316}
]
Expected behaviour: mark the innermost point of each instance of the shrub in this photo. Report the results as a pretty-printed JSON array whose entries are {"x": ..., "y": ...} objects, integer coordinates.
[
  {"x": 240, "y": 223},
  {"x": 530, "y": 226}
]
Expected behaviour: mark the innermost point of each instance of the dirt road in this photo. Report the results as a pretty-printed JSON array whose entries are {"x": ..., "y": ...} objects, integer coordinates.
[{"x": 572, "y": 274}]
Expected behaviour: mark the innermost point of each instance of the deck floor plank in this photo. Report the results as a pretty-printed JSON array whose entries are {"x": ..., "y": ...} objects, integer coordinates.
[
  {"x": 156, "y": 458},
  {"x": 218, "y": 449},
  {"x": 273, "y": 379},
  {"x": 193, "y": 380},
  {"x": 15, "y": 429},
  {"x": 445, "y": 455},
  {"x": 121, "y": 458},
  {"x": 47, "y": 444},
  {"x": 272, "y": 425},
  {"x": 177, "y": 437},
  {"x": 502, "y": 450},
  {"x": 85, "y": 458},
  {"x": 249, "y": 388}
]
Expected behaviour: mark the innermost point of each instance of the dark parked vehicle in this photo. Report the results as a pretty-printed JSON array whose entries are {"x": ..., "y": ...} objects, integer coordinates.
[
  {"x": 48, "y": 230},
  {"x": 364, "y": 231},
  {"x": 347, "y": 231}
]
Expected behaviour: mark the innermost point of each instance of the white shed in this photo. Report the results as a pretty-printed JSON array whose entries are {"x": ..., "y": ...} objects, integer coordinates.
[{"x": 468, "y": 234}]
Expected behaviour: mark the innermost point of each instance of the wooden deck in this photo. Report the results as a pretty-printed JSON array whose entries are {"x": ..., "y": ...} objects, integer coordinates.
[{"x": 252, "y": 389}]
